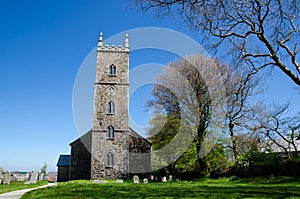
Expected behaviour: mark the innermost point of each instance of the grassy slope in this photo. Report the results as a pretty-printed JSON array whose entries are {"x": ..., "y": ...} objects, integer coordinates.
[
  {"x": 19, "y": 185},
  {"x": 222, "y": 188}
]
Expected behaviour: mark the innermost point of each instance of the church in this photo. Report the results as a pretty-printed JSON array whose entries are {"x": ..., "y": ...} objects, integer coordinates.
[{"x": 111, "y": 149}]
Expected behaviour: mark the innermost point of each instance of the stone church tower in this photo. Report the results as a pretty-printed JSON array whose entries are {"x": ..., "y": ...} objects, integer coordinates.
[
  {"x": 111, "y": 149},
  {"x": 111, "y": 101}
]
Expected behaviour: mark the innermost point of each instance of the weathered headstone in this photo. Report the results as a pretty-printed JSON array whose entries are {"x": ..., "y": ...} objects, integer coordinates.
[
  {"x": 136, "y": 179},
  {"x": 164, "y": 179},
  {"x": 34, "y": 177},
  {"x": 96, "y": 181},
  {"x": 6, "y": 179},
  {"x": 41, "y": 176},
  {"x": 170, "y": 177},
  {"x": 152, "y": 177},
  {"x": 146, "y": 180},
  {"x": 1, "y": 176},
  {"x": 119, "y": 181},
  {"x": 103, "y": 181},
  {"x": 13, "y": 178}
]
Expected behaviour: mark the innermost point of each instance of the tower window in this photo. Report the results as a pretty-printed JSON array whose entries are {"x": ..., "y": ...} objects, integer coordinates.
[
  {"x": 111, "y": 107},
  {"x": 110, "y": 132},
  {"x": 112, "y": 70},
  {"x": 109, "y": 160}
]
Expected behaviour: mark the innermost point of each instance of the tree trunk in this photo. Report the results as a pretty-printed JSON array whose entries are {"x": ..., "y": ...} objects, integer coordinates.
[
  {"x": 201, "y": 161},
  {"x": 233, "y": 140}
]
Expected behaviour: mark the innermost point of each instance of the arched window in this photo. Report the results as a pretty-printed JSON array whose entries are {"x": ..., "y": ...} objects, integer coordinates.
[
  {"x": 110, "y": 132},
  {"x": 111, "y": 107},
  {"x": 112, "y": 70},
  {"x": 109, "y": 160}
]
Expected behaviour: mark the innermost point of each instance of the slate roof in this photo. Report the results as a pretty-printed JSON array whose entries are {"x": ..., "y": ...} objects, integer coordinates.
[
  {"x": 133, "y": 131},
  {"x": 64, "y": 160}
]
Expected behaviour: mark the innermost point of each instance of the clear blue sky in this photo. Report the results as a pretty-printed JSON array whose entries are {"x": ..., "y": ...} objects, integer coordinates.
[{"x": 42, "y": 45}]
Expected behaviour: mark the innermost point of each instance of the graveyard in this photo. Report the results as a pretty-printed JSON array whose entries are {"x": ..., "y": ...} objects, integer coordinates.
[
  {"x": 259, "y": 187},
  {"x": 162, "y": 187},
  {"x": 11, "y": 181},
  {"x": 159, "y": 187}
]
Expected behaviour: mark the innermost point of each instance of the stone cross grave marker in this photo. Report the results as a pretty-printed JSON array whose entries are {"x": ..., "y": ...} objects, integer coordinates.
[
  {"x": 6, "y": 179},
  {"x": 170, "y": 177},
  {"x": 146, "y": 180},
  {"x": 164, "y": 179},
  {"x": 136, "y": 179}
]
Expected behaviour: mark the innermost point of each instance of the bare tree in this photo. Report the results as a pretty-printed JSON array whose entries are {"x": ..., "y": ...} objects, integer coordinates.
[
  {"x": 261, "y": 32},
  {"x": 279, "y": 133},
  {"x": 240, "y": 87}
]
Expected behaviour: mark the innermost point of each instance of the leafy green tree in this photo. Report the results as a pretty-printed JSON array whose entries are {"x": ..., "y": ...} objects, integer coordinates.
[
  {"x": 216, "y": 159},
  {"x": 170, "y": 94},
  {"x": 255, "y": 157}
]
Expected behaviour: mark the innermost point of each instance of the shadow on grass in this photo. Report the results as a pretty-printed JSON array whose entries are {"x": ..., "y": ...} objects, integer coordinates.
[{"x": 267, "y": 180}]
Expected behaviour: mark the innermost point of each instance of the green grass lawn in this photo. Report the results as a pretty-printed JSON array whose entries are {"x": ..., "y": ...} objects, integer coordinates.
[
  {"x": 283, "y": 187},
  {"x": 19, "y": 185}
]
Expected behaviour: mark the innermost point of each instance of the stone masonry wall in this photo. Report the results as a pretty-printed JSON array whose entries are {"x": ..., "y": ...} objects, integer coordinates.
[
  {"x": 63, "y": 173},
  {"x": 139, "y": 155},
  {"x": 111, "y": 88},
  {"x": 108, "y": 88},
  {"x": 81, "y": 158},
  {"x": 101, "y": 147}
]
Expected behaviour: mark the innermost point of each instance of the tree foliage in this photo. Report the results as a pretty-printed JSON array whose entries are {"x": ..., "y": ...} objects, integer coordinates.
[{"x": 184, "y": 106}]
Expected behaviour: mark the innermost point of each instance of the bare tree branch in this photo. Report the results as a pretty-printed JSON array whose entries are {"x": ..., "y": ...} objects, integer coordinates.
[{"x": 255, "y": 28}]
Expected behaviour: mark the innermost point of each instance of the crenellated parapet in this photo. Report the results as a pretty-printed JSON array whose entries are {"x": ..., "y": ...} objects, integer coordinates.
[{"x": 113, "y": 48}]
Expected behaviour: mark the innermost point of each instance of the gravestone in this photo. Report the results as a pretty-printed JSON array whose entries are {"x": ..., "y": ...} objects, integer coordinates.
[
  {"x": 103, "y": 181},
  {"x": 119, "y": 181},
  {"x": 6, "y": 179},
  {"x": 152, "y": 177},
  {"x": 13, "y": 178},
  {"x": 170, "y": 177},
  {"x": 1, "y": 176},
  {"x": 146, "y": 180},
  {"x": 96, "y": 181},
  {"x": 164, "y": 179},
  {"x": 34, "y": 177},
  {"x": 136, "y": 179},
  {"x": 41, "y": 176}
]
